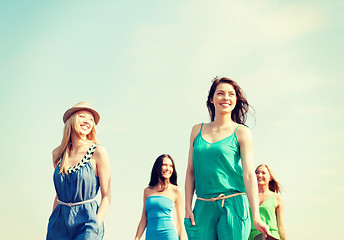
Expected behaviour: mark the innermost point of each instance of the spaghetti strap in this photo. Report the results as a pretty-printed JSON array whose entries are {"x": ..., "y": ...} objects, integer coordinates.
[
  {"x": 200, "y": 130},
  {"x": 236, "y": 128}
]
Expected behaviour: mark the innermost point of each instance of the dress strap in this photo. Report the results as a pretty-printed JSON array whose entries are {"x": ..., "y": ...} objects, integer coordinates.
[
  {"x": 85, "y": 160},
  {"x": 201, "y": 127},
  {"x": 236, "y": 128},
  {"x": 90, "y": 151}
]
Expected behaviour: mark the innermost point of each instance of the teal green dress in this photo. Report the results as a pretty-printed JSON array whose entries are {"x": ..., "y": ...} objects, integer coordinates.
[
  {"x": 218, "y": 170},
  {"x": 268, "y": 215}
]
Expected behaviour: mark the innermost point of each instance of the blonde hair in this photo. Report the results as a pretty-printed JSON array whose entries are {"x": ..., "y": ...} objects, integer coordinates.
[
  {"x": 66, "y": 143},
  {"x": 274, "y": 186}
]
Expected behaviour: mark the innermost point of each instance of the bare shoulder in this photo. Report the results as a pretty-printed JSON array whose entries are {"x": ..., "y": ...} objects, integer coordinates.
[
  {"x": 100, "y": 149},
  {"x": 147, "y": 192},
  {"x": 242, "y": 129},
  {"x": 55, "y": 152},
  {"x": 100, "y": 153},
  {"x": 243, "y": 132},
  {"x": 177, "y": 190},
  {"x": 279, "y": 199},
  {"x": 195, "y": 130},
  {"x": 178, "y": 195}
]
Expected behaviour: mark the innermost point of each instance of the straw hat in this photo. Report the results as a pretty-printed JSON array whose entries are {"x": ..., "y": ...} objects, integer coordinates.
[{"x": 81, "y": 106}]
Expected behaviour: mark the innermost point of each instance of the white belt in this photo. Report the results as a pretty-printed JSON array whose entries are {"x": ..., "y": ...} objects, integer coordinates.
[{"x": 74, "y": 204}]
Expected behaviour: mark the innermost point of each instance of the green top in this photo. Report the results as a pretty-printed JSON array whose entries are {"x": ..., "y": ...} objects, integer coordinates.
[
  {"x": 217, "y": 166},
  {"x": 268, "y": 215}
]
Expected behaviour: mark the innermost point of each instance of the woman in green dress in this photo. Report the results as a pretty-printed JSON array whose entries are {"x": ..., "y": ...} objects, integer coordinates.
[
  {"x": 220, "y": 170},
  {"x": 271, "y": 207}
]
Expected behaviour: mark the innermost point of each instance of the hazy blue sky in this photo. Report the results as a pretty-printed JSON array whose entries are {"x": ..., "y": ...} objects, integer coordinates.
[{"x": 147, "y": 66}]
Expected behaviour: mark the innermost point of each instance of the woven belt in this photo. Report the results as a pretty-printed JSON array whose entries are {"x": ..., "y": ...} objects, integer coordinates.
[
  {"x": 75, "y": 204},
  {"x": 220, "y": 197}
]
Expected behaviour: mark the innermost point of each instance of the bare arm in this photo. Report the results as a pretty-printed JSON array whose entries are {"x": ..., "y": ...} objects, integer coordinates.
[
  {"x": 54, "y": 153},
  {"x": 55, "y": 202},
  {"x": 190, "y": 178},
  {"x": 280, "y": 217},
  {"x": 250, "y": 181},
  {"x": 179, "y": 214},
  {"x": 143, "y": 222},
  {"x": 103, "y": 169}
]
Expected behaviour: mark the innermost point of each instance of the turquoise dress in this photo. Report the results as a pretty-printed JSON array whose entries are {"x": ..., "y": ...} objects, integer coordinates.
[
  {"x": 159, "y": 221},
  {"x": 77, "y": 222},
  {"x": 218, "y": 170}
]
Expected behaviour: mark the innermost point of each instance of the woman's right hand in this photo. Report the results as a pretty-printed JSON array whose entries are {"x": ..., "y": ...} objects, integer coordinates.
[
  {"x": 189, "y": 214},
  {"x": 190, "y": 178},
  {"x": 262, "y": 227}
]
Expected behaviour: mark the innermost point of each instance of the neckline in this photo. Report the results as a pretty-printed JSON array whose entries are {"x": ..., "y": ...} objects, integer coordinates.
[
  {"x": 200, "y": 133},
  {"x": 84, "y": 157},
  {"x": 218, "y": 140},
  {"x": 266, "y": 200},
  {"x": 161, "y": 196},
  {"x": 83, "y": 161}
]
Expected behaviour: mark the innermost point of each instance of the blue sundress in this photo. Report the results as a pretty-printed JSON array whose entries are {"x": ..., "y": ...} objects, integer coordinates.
[{"x": 76, "y": 222}]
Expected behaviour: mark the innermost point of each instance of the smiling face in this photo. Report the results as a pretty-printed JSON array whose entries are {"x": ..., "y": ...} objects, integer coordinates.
[
  {"x": 224, "y": 98},
  {"x": 166, "y": 168},
  {"x": 263, "y": 175},
  {"x": 84, "y": 122}
]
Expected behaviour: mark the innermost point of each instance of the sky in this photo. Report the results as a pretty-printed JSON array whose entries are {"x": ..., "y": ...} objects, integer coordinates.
[{"x": 146, "y": 67}]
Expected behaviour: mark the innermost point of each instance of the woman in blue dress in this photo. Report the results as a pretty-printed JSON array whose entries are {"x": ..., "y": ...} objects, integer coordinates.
[
  {"x": 160, "y": 197},
  {"x": 81, "y": 169}
]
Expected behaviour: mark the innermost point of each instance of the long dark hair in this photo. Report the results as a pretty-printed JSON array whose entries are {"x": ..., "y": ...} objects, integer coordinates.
[
  {"x": 239, "y": 113},
  {"x": 156, "y": 176}
]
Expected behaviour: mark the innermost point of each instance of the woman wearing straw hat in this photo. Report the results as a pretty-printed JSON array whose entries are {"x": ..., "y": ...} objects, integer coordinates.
[
  {"x": 220, "y": 169},
  {"x": 81, "y": 169}
]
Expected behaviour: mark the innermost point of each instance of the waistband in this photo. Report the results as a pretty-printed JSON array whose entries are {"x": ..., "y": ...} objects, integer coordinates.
[
  {"x": 76, "y": 203},
  {"x": 220, "y": 197}
]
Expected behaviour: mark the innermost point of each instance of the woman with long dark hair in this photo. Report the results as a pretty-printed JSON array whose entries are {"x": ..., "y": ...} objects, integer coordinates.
[
  {"x": 271, "y": 206},
  {"x": 160, "y": 197},
  {"x": 220, "y": 170},
  {"x": 81, "y": 169}
]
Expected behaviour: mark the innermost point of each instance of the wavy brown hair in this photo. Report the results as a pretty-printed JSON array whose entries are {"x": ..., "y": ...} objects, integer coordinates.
[
  {"x": 239, "y": 113},
  {"x": 274, "y": 186}
]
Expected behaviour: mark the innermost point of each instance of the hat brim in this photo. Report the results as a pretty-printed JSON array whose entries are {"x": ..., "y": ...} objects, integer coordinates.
[{"x": 73, "y": 110}]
